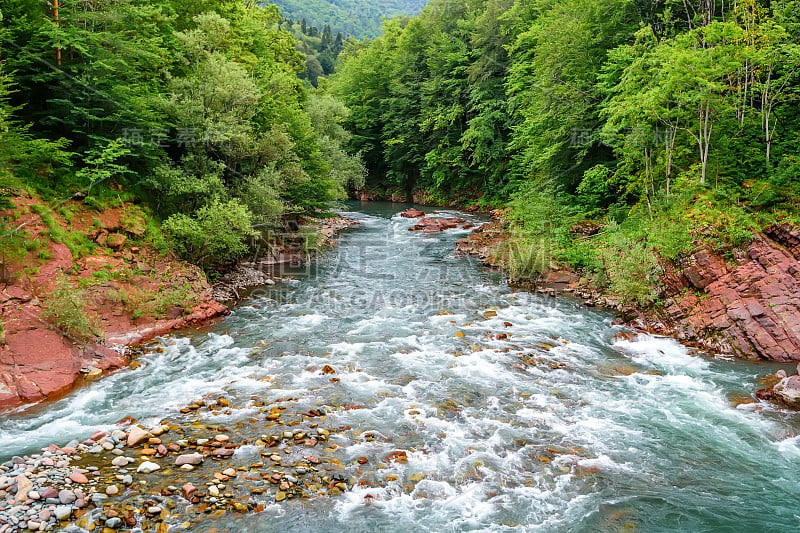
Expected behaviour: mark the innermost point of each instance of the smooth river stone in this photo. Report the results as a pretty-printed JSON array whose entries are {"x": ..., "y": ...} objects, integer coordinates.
[
  {"x": 77, "y": 477},
  {"x": 120, "y": 461},
  {"x": 49, "y": 492},
  {"x": 67, "y": 496},
  {"x": 148, "y": 468},
  {"x": 189, "y": 459},
  {"x": 137, "y": 435},
  {"x": 188, "y": 491},
  {"x": 62, "y": 512},
  {"x": 24, "y": 485},
  {"x": 223, "y": 452}
]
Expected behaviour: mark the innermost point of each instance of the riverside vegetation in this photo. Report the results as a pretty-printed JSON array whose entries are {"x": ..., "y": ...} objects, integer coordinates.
[
  {"x": 635, "y": 143},
  {"x": 198, "y": 112},
  {"x": 130, "y": 132},
  {"x": 620, "y": 134}
]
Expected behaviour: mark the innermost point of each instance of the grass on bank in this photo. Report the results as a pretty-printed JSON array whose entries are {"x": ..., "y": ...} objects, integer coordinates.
[
  {"x": 66, "y": 308},
  {"x": 154, "y": 303},
  {"x": 625, "y": 254}
]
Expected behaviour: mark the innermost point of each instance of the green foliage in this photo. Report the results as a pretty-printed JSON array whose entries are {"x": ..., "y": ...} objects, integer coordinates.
[
  {"x": 216, "y": 234},
  {"x": 631, "y": 269},
  {"x": 65, "y": 307},
  {"x": 660, "y": 126},
  {"x": 360, "y": 18},
  {"x": 153, "y": 303},
  {"x": 102, "y": 164},
  {"x": 180, "y": 105},
  {"x": 12, "y": 247}
]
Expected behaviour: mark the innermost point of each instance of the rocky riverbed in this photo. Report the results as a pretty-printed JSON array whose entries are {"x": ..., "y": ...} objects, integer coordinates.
[
  {"x": 452, "y": 402},
  {"x": 176, "y": 472}
]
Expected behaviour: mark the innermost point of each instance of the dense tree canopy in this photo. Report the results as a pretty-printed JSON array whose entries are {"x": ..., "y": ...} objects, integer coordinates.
[
  {"x": 196, "y": 108},
  {"x": 677, "y": 120},
  {"x": 357, "y": 18}
]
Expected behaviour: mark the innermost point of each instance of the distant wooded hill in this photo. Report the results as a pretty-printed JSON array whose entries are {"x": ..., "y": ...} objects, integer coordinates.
[{"x": 359, "y": 18}]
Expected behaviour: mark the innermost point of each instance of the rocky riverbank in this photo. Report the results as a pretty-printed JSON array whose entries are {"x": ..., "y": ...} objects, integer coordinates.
[
  {"x": 178, "y": 471},
  {"x": 279, "y": 257},
  {"x": 745, "y": 303},
  {"x": 69, "y": 314},
  {"x": 80, "y": 287}
]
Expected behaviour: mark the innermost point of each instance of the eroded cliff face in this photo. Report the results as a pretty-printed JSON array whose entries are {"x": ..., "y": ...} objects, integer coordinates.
[{"x": 747, "y": 304}]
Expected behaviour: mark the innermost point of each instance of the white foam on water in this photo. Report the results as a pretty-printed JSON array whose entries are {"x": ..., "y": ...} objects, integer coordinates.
[
  {"x": 662, "y": 353},
  {"x": 304, "y": 322},
  {"x": 502, "y": 442},
  {"x": 790, "y": 447},
  {"x": 380, "y": 326},
  {"x": 350, "y": 349}
]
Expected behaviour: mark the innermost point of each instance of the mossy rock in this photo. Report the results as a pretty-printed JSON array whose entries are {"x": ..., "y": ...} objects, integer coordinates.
[{"x": 116, "y": 241}]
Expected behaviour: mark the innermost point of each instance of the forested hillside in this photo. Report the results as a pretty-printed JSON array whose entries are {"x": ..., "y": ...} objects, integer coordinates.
[
  {"x": 195, "y": 110},
  {"x": 622, "y": 132},
  {"x": 321, "y": 48},
  {"x": 357, "y": 18}
]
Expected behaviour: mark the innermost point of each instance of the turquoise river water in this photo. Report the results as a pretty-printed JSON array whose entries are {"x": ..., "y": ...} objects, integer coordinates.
[{"x": 558, "y": 427}]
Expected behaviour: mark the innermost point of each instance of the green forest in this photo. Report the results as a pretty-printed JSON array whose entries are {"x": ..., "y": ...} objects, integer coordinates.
[
  {"x": 356, "y": 18},
  {"x": 321, "y": 48},
  {"x": 619, "y": 133},
  {"x": 196, "y": 110},
  {"x": 615, "y": 134}
]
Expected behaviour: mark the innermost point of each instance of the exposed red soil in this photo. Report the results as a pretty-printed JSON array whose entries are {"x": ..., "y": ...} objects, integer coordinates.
[{"x": 37, "y": 360}]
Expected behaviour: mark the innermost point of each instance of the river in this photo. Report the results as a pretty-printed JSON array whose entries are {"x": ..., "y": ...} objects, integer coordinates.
[{"x": 536, "y": 419}]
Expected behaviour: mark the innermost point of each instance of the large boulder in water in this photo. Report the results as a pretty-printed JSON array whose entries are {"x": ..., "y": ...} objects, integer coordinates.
[
  {"x": 412, "y": 213},
  {"x": 436, "y": 225},
  {"x": 788, "y": 391}
]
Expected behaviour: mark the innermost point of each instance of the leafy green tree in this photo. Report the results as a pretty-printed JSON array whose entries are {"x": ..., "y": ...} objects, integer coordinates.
[{"x": 213, "y": 236}]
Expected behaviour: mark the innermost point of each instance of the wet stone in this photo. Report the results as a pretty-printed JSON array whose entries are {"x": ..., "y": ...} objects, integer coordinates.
[
  {"x": 189, "y": 459},
  {"x": 67, "y": 497},
  {"x": 148, "y": 468},
  {"x": 62, "y": 512}
]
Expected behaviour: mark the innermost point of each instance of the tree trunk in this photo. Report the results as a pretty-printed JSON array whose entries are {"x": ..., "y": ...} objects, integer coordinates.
[
  {"x": 57, "y": 21},
  {"x": 704, "y": 139},
  {"x": 672, "y": 134}
]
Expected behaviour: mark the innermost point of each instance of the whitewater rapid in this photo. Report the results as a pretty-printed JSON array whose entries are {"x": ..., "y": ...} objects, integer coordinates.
[{"x": 517, "y": 412}]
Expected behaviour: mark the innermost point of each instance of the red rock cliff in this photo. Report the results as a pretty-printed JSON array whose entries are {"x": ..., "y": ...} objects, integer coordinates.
[{"x": 747, "y": 305}]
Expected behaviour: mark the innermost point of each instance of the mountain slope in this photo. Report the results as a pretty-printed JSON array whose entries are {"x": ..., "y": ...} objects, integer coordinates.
[{"x": 359, "y": 18}]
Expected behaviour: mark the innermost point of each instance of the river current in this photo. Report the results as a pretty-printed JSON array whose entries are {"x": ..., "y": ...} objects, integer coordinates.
[{"x": 518, "y": 412}]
